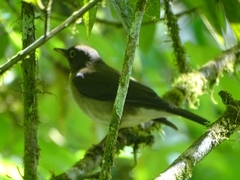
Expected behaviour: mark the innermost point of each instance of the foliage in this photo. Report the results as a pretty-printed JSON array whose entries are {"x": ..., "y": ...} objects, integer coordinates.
[{"x": 206, "y": 28}]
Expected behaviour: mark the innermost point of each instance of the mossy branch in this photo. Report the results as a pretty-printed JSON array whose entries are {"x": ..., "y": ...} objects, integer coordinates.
[
  {"x": 133, "y": 35},
  {"x": 218, "y": 132},
  {"x": 30, "y": 103},
  {"x": 173, "y": 30},
  {"x": 188, "y": 87},
  {"x": 89, "y": 165}
]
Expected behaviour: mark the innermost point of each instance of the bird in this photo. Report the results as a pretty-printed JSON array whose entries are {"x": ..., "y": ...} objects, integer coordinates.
[{"x": 93, "y": 85}]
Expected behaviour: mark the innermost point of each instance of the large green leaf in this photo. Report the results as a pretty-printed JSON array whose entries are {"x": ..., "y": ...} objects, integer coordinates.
[
  {"x": 89, "y": 18},
  {"x": 124, "y": 11},
  {"x": 232, "y": 13},
  {"x": 212, "y": 15}
]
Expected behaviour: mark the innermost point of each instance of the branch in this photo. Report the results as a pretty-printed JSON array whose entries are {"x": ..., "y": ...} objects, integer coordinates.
[
  {"x": 93, "y": 157},
  {"x": 219, "y": 131},
  {"x": 30, "y": 103},
  {"x": 119, "y": 24},
  {"x": 173, "y": 30},
  {"x": 188, "y": 87},
  {"x": 226, "y": 62},
  {"x": 20, "y": 55},
  {"x": 47, "y": 12},
  {"x": 133, "y": 35},
  {"x": 124, "y": 12}
]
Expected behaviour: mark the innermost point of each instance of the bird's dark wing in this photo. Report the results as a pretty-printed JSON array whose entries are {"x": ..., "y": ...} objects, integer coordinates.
[
  {"x": 143, "y": 95},
  {"x": 97, "y": 85}
]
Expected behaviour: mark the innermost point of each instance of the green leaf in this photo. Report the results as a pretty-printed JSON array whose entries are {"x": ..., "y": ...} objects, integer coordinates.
[
  {"x": 124, "y": 11},
  {"x": 214, "y": 15},
  {"x": 232, "y": 13},
  {"x": 89, "y": 18},
  {"x": 231, "y": 10}
]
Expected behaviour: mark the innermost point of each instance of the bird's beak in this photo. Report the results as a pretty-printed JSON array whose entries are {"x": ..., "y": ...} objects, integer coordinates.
[{"x": 61, "y": 51}]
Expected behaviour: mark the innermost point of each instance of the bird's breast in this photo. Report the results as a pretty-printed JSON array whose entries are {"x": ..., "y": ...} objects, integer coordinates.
[{"x": 96, "y": 110}]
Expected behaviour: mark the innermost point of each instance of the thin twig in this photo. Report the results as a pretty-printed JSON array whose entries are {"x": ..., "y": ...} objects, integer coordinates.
[
  {"x": 47, "y": 16},
  {"x": 119, "y": 24},
  {"x": 20, "y": 55}
]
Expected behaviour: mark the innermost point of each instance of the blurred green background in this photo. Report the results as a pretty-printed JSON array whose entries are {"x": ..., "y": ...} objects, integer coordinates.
[{"x": 65, "y": 133}]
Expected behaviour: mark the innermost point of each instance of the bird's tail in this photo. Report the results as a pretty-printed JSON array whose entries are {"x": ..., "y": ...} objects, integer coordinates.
[{"x": 189, "y": 115}]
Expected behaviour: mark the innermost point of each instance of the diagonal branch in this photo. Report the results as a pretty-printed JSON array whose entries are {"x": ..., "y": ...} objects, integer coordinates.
[
  {"x": 188, "y": 87},
  {"x": 118, "y": 24},
  {"x": 219, "y": 131},
  {"x": 91, "y": 162},
  {"x": 20, "y": 55}
]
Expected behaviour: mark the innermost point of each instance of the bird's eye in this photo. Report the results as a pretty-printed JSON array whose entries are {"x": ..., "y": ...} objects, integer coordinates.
[{"x": 72, "y": 54}]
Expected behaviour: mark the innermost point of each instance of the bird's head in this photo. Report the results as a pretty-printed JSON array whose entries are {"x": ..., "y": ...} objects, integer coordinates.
[{"x": 79, "y": 56}]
